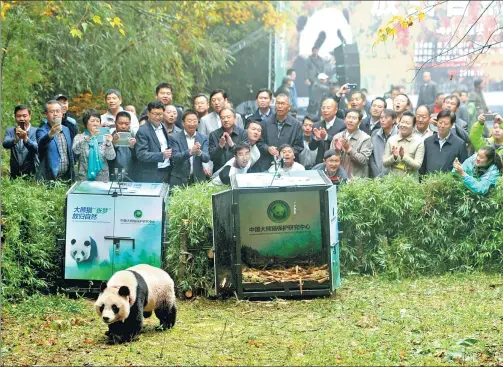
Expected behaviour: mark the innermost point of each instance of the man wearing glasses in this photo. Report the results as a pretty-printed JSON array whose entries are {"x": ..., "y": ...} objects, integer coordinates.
[
  {"x": 153, "y": 147},
  {"x": 55, "y": 146}
]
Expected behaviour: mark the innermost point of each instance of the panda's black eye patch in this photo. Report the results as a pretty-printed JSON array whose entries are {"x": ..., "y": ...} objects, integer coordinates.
[
  {"x": 73, "y": 242},
  {"x": 82, "y": 253},
  {"x": 74, "y": 253},
  {"x": 115, "y": 309},
  {"x": 87, "y": 243},
  {"x": 102, "y": 308}
]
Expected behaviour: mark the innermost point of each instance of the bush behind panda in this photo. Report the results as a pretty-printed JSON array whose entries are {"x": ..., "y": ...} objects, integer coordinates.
[{"x": 132, "y": 294}]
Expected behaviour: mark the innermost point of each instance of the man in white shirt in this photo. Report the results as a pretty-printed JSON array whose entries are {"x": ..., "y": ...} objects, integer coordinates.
[
  {"x": 211, "y": 121},
  {"x": 240, "y": 163},
  {"x": 113, "y": 99},
  {"x": 286, "y": 162},
  {"x": 423, "y": 117},
  {"x": 190, "y": 151},
  {"x": 153, "y": 147}
]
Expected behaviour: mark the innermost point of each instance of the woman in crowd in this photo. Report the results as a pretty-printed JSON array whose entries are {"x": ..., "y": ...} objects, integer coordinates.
[
  {"x": 93, "y": 153},
  {"x": 480, "y": 171}
]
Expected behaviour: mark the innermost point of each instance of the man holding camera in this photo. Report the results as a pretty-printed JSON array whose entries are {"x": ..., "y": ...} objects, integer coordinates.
[
  {"x": 55, "y": 146},
  {"x": 22, "y": 142}
]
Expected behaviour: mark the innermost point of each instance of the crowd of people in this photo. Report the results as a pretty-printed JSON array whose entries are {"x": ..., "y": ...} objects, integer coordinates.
[{"x": 345, "y": 136}]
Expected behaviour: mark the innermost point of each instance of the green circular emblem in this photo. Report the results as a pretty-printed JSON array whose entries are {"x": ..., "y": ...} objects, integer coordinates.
[
  {"x": 278, "y": 211},
  {"x": 138, "y": 213}
]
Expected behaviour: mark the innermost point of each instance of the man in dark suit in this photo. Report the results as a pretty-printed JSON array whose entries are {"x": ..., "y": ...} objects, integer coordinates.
[
  {"x": 428, "y": 91},
  {"x": 223, "y": 139},
  {"x": 324, "y": 131},
  {"x": 264, "y": 98},
  {"x": 190, "y": 150},
  {"x": 22, "y": 142},
  {"x": 153, "y": 147},
  {"x": 280, "y": 128},
  {"x": 371, "y": 123},
  {"x": 441, "y": 149},
  {"x": 55, "y": 146}
]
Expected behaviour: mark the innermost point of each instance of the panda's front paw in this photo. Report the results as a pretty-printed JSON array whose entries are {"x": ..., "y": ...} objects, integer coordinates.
[{"x": 115, "y": 339}]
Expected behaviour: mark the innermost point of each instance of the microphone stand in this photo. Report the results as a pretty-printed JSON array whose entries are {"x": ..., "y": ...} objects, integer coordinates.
[{"x": 276, "y": 174}]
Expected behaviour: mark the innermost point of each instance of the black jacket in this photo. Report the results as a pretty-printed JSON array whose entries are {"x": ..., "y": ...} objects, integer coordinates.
[
  {"x": 220, "y": 156},
  {"x": 291, "y": 134},
  {"x": 324, "y": 145},
  {"x": 427, "y": 94},
  {"x": 148, "y": 152},
  {"x": 436, "y": 159},
  {"x": 181, "y": 159},
  {"x": 256, "y": 117},
  {"x": 125, "y": 157},
  {"x": 365, "y": 126}
]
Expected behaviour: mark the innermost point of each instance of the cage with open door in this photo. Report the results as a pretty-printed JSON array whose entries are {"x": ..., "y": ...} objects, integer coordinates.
[{"x": 277, "y": 236}]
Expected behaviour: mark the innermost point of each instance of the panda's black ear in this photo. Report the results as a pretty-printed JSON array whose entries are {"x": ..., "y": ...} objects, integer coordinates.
[
  {"x": 73, "y": 242},
  {"x": 87, "y": 243},
  {"x": 103, "y": 286},
  {"x": 124, "y": 291}
]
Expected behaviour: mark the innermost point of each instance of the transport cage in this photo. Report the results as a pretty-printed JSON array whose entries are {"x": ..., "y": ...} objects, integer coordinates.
[
  {"x": 111, "y": 226},
  {"x": 276, "y": 236}
]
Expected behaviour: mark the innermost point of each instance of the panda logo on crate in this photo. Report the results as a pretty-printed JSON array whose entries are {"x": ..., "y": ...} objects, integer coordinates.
[
  {"x": 132, "y": 294},
  {"x": 85, "y": 251}
]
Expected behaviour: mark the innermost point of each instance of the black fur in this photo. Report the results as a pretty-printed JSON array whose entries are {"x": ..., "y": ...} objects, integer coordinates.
[{"x": 120, "y": 332}]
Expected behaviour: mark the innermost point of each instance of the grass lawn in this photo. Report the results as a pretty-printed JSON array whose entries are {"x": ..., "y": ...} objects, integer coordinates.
[{"x": 452, "y": 319}]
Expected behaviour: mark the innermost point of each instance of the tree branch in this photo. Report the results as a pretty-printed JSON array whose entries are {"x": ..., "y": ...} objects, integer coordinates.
[
  {"x": 456, "y": 31},
  {"x": 487, "y": 46},
  {"x": 484, "y": 47},
  {"x": 453, "y": 47}
]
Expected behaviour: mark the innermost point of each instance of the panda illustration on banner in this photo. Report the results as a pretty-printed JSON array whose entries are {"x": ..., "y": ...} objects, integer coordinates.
[
  {"x": 85, "y": 251},
  {"x": 326, "y": 29}
]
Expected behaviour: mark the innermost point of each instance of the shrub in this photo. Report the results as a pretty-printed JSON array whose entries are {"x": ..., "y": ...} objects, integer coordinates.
[
  {"x": 392, "y": 226},
  {"x": 32, "y": 220},
  {"x": 190, "y": 230},
  {"x": 401, "y": 227}
]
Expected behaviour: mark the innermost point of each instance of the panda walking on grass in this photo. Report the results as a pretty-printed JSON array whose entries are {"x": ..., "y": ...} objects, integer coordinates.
[{"x": 132, "y": 294}]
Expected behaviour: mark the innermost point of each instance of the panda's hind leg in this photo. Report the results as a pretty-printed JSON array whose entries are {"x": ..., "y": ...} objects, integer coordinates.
[{"x": 167, "y": 317}]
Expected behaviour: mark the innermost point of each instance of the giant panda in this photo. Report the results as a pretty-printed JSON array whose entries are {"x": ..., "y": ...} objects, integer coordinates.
[
  {"x": 132, "y": 294},
  {"x": 85, "y": 251}
]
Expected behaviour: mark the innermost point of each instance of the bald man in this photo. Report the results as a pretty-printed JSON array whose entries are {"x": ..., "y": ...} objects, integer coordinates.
[
  {"x": 170, "y": 117},
  {"x": 428, "y": 91}
]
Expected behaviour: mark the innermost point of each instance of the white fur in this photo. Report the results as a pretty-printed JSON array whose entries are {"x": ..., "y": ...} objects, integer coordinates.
[
  {"x": 160, "y": 291},
  {"x": 156, "y": 280}
]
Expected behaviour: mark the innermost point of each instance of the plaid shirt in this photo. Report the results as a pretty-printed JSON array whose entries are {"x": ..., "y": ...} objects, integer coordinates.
[{"x": 64, "y": 162}]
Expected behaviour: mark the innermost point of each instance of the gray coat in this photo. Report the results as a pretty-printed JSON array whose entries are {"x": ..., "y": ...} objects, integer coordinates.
[{"x": 378, "y": 147}]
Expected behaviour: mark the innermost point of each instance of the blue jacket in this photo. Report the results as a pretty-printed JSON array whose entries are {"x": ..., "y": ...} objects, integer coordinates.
[
  {"x": 49, "y": 153},
  {"x": 22, "y": 161},
  {"x": 478, "y": 185}
]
